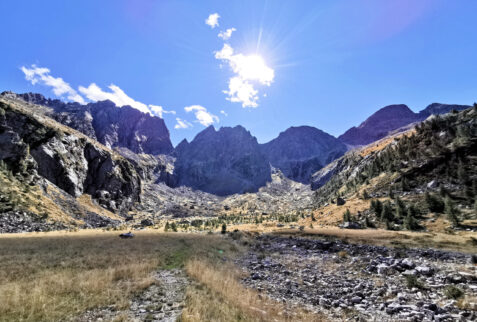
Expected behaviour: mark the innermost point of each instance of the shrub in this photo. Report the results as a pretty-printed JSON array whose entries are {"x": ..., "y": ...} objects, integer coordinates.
[
  {"x": 413, "y": 282},
  {"x": 224, "y": 228},
  {"x": 453, "y": 292}
]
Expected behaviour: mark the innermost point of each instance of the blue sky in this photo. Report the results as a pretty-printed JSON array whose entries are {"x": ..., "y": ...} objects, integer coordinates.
[{"x": 327, "y": 64}]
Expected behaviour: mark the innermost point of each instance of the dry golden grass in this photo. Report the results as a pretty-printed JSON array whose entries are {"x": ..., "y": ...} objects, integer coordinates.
[
  {"x": 56, "y": 276},
  {"x": 33, "y": 199},
  {"x": 87, "y": 203},
  {"x": 381, "y": 144},
  {"x": 219, "y": 296}
]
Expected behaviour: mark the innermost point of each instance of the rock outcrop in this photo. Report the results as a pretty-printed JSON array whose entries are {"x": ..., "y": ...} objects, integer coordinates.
[
  {"x": 301, "y": 151},
  {"x": 69, "y": 160},
  {"x": 222, "y": 162},
  {"x": 107, "y": 123}
]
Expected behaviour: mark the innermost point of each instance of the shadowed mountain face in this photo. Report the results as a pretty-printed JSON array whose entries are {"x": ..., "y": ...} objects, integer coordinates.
[
  {"x": 300, "y": 151},
  {"x": 391, "y": 118},
  {"x": 379, "y": 125},
  {"x": 108, "y": 124},
  {"x": 222, "y": 162}
]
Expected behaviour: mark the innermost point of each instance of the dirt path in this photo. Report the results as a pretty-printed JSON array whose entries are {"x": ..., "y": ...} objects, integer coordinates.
[{"x": 162, "y": 301}]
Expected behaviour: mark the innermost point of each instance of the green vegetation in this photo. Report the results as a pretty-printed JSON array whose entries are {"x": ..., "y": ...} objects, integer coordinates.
[
  {"x": 432, "y": 170},
  {"x": 453, "y": 292}
]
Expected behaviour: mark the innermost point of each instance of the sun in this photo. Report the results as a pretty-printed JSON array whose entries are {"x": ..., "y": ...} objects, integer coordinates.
[{"x": 253, "y": 67}]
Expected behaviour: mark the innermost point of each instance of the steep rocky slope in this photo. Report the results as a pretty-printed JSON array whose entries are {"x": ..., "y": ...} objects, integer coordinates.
[
  {"x": 300, "y": 151},
  {"x": 222, "y": 162},
  {"x": 390, "y": 118},
  {"x": 37, "y": 151},
  {"x": 105, "y": 122}
]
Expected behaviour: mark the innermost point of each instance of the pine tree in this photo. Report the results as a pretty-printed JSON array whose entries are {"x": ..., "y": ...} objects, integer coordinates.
[
  {"x": 391, "y": 193},
  {"x": 347, "y": 216},
  {"x": 167, "y": 227},
  {"x": 404, "y": 184},
  {"x": 400, "y": 208},
  {"x": 434, "y": 203},
  {"x": 387, "y": 212},
  {"x": 452, "y": 212},
  {"x": 461, "y": 173},
  {"x": 365, "y": 195},
  {"x": 410, "y": 222}
]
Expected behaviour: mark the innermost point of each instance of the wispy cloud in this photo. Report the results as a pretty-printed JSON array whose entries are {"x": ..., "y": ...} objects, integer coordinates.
[
  {"x": 182, "y": 124},
  {"x": 202, "y": 116},
  {"x": 41, "y": 75},
  {"x": 213, "y": 20},
  {"x": 248, "y": 70},
  {"x": 225, "y": 35},
  {"x": 223, "y": 113},
  {"x": 159, "y": 110}
]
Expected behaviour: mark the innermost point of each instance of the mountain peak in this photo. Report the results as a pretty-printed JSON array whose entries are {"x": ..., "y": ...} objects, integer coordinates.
[{"x": 299, "y": 151}]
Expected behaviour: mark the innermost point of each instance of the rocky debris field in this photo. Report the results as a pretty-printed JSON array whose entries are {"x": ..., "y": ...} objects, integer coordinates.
[
  {"x": 163, "y": 301},
  {"x": 362, "y": 282},
  {"x": 20, "y": 221}
]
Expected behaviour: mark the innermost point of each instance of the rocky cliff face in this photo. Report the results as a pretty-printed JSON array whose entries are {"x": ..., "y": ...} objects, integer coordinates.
[
  {"x": 67, "y": 159},
  {"x": 222, "y": 162},
  {"x": 301, "y": 151},
  {"x": 391, "y": 118},
  {"x": 107, "y": 123}
]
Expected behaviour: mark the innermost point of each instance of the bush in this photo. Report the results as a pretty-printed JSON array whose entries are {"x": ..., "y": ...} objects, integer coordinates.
[
  {"x": 453, "y": 292},
  {"x": 224, "y": 228},
  {"x": 413, "y": 282}
]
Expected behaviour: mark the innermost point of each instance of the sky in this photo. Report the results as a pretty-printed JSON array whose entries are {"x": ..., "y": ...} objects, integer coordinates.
[{"x": 265, "y": 65}]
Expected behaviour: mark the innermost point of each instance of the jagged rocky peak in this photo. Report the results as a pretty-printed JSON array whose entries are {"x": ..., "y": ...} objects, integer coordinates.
[
  {"x": 300, "y": 151},
  {"x": 222, "y": 162},
  {"x": 107, "y": 123}
]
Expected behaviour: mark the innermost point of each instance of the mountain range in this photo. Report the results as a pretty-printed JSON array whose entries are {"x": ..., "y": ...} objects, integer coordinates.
[{"x": 228, "y": 160}]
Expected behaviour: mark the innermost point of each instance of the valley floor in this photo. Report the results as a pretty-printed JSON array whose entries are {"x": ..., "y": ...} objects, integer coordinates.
[{"x": 282, "y": 275}]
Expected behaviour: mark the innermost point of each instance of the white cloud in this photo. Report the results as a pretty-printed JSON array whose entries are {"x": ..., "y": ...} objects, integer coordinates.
[
  {"x": 41, "y": 75},
  {"x": 213, "y": 20},
  {"x": 61, "y": 88},
  {"x": 94, "y": 93},
  {"x": 159, "y": 110},
  {"x": 182, "y": 124},
  {"x": 248, "y": 70},
  {"x": 225, "y": 35},
  {"x": 202, "y": 116},
  {"x": 223, "y": 113}
]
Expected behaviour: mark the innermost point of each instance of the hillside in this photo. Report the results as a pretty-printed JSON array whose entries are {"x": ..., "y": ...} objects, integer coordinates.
[
  {"x": 416, "y": 176},
  {"x": 390, "y": 118},
  {"x": 51, "y": 174}
]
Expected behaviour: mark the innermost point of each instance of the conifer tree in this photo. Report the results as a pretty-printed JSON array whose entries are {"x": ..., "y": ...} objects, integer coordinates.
[{"x": 452, "y": 212}]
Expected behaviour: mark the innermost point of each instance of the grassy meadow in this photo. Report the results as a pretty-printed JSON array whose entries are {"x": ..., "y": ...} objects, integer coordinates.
[{"x": 58, "y": 275}]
